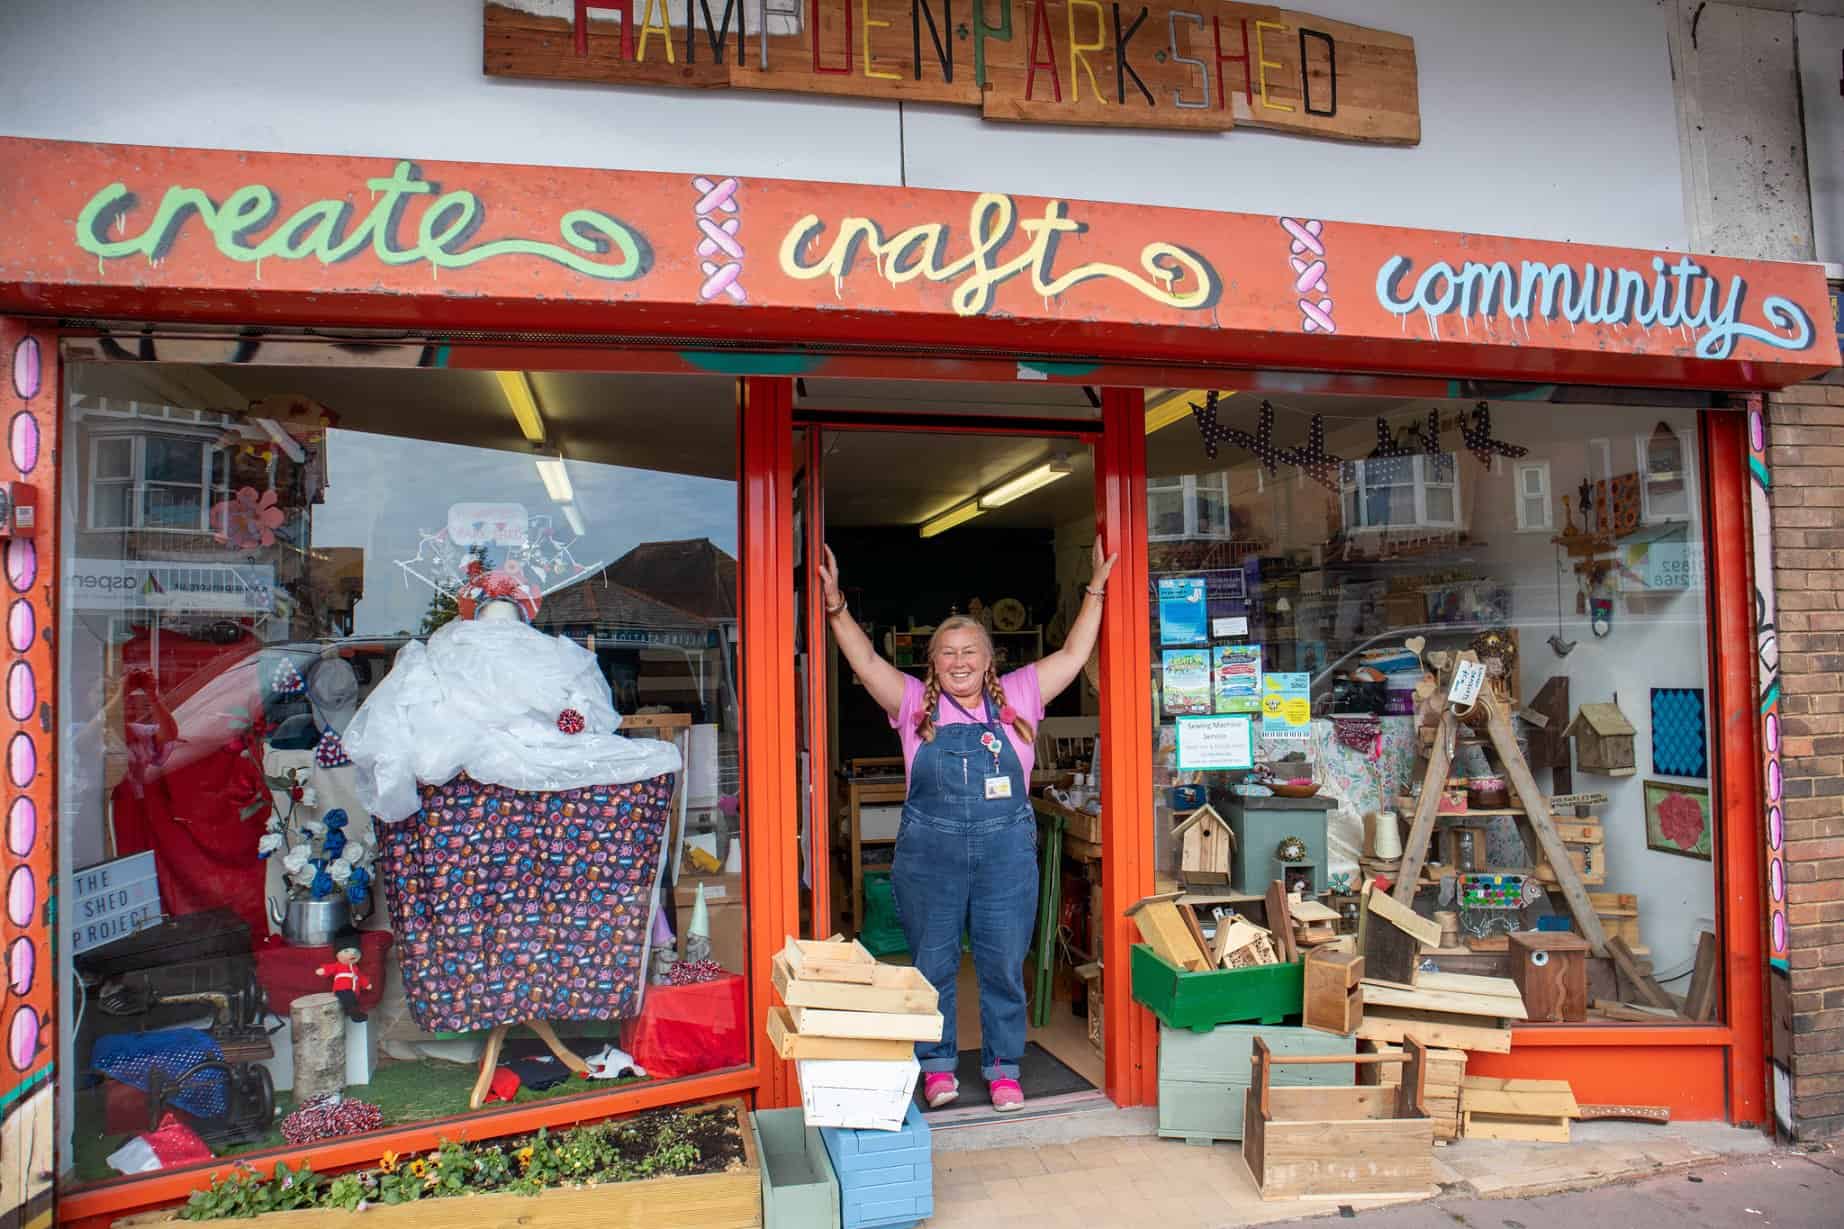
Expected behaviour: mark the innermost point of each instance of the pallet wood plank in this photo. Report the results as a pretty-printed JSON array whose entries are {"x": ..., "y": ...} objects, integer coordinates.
[
  {"x": 1653, "y": 993},
  {"x": 1280, "y": 922},
  {"x": 1386, "y": 1024},
  {"x": 1421, "y": 833},
  {"x": 1542, "y": 824},
  {"x": 1467, "y": 983},
  {"x": 866, "y": 1025},
  {"x": 1383, "y": 907},
  {"x": 1527, "y": 1130},
  {"x": 1497, "y": 1007},
  {"x": 790, "y": 1044},
  {"x": 1700, "y": 1000}
]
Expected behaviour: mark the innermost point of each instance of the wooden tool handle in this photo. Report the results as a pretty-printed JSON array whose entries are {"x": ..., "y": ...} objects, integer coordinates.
[{"x": 1318, "y": 1059}]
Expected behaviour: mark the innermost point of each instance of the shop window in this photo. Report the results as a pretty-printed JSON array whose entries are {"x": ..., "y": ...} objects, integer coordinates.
[
  {"x": 1287, "y": 658},
  {"x": 1533, "y": 499},
  {"x": 341, "y": 678}
]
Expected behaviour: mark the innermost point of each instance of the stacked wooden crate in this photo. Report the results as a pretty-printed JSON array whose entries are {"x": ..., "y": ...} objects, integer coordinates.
[
  {"x": 852, "y": 1025},
  {"x": 1535, "y": 1110},
  {"x": 1204, "y": 1077},
  {"x": 1440, "y": 1089}
]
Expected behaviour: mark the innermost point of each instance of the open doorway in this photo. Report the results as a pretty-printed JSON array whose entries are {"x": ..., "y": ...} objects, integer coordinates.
[{"x": 928, "y": 521}]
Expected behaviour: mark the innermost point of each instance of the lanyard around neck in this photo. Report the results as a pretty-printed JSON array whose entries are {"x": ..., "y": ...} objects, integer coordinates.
[{"x": 985, "y": 709}]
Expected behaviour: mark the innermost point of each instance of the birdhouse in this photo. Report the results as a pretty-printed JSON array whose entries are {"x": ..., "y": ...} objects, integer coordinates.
[
  {"x": 1603, "y": 741},
  {"x": 1206, "y": 846}
]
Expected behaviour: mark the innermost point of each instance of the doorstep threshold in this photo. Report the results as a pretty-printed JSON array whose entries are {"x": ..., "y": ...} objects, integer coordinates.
[{"x": 1044, "y": 1120}]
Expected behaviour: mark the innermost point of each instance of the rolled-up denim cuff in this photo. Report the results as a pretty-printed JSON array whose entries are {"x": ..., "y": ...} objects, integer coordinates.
[
  {"x": 935, "y": 1066},
  {"x": 1000, "y": 1071}
]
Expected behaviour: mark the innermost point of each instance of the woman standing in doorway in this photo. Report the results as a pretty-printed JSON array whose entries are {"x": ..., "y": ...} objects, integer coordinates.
[{"x": 966, "y": 854}]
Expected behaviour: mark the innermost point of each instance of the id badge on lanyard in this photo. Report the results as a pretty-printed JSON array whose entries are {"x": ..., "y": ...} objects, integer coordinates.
[{"x": 998, "y": 785}]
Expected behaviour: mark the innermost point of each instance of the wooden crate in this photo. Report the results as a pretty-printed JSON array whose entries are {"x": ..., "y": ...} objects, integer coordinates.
[
  {"x": 1201, "y": 1001},
  {"x": 1338, "y": 1142},
  {"x": 799, "y": 1189},
  {"x": 1440, "y": 1090},
  {"x": 1203, "y": 1077},
  {"x": 729, "y": 1200},
  {"x": 1538, "y": 1111}
]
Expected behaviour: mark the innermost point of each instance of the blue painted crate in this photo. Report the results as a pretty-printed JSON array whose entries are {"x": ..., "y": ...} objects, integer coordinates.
[{"x": 886, "y": 1178}]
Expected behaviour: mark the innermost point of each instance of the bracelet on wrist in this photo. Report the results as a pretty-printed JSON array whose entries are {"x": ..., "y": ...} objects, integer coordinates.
[
  {"x": 1101, "y": 592},
  {"x": 833, "y": 610}
]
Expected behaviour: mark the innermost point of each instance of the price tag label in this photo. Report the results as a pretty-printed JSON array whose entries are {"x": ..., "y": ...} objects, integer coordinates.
[{"x": 1468, "y": 678}]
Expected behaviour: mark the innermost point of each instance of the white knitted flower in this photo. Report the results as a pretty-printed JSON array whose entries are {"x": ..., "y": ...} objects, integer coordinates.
[
  {"x": 296, "y": 859},
  {"x": 269, "y": 844},
  {"x": 340, "y": 870}
]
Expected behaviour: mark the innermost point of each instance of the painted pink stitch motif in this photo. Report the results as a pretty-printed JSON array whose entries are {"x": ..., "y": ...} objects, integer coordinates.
[
  {"x": 718, "y": 221},
  {"x": 1309, "y": 269}
]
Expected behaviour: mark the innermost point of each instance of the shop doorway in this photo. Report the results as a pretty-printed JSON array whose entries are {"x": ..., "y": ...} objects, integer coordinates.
[{"x": 961, "y": 506}]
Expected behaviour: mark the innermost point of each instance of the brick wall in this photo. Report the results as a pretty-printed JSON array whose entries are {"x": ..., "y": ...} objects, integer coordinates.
[{"x": 1806, "y": 454}]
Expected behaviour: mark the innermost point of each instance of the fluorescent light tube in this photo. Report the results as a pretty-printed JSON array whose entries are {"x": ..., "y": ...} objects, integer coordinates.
[
  {"x": 556, "y": 478},
  {"x": 1174, "y": 404},
  {"x": 517, "y": 388},
  {"x": 947, "y": 520},
  {"x": 575, "y": 518},
  {"x": 1016, "y": 488}
]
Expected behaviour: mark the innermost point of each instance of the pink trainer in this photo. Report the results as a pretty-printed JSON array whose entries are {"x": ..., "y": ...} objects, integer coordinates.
[
  {"x": 1006, "y": 1094},
  {"x": 939, "y": 1088}
]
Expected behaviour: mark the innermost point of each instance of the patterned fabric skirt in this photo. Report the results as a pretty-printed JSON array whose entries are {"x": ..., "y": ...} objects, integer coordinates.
[{"x": 513, "y": 905}]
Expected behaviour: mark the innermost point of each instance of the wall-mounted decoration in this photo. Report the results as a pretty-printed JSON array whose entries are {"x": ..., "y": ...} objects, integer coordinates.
[
  {"x": 1679, "y": 745},
  {"x": 1603, "y": 741},
  {"x": 1678, "y": 820},
  {"x": 1207, "y": 66}
]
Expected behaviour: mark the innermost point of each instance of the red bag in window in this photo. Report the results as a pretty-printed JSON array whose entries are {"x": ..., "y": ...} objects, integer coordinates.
[{"x": 685, "y": 1030}]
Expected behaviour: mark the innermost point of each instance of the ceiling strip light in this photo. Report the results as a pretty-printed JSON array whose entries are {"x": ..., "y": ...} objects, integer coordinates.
[
  {"x": 517, "y": 388},
  {"x": 556, "y": 478},
  {"x": 1022, "y": 485},
  {"x": 1164, "y": 409},
  {"x": 954, "y": 516}
]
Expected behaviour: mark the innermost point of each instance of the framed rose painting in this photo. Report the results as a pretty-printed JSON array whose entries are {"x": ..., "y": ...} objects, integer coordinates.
[{"x": 1678, "y": 819}]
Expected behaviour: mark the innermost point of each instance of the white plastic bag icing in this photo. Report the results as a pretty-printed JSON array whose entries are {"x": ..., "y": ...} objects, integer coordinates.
[{"x": 483, "y": 697}]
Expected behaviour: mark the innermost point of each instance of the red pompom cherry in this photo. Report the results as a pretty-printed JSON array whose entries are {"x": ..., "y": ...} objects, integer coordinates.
[{"x": 570, "y": 721}]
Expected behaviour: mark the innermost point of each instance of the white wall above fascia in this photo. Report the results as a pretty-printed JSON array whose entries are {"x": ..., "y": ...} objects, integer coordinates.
[{"x": 1552, "y": 120}]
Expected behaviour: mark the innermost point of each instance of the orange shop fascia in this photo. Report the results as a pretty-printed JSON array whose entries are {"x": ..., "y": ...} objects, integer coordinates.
[{"x": 770, "y": 279}]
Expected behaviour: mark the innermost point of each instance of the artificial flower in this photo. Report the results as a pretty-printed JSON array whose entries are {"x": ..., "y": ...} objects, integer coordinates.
[
  {"x": 321, "y": 886},
  {"x": 247, "y": 520},
  {"x": 296, "y": 859},
  {"x": 308, "y": 796},
  {"x": 313, "y": 828},
  {"x": 339, "y": 870},
  {"x": 335, "y": 843},
  {"x": 336, "y": 818},
  {"x": 269, "y": 844}
]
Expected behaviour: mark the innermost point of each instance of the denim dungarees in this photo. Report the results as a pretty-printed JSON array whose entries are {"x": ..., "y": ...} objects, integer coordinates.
[{"x": 965, "y": 862}]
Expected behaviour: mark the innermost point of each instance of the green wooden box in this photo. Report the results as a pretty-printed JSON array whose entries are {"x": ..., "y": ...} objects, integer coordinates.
[
  {"x": 1200, "y": 1001},
  {"x": 1203, "y": 1077},
  {"x": 799, "y": 1188}
]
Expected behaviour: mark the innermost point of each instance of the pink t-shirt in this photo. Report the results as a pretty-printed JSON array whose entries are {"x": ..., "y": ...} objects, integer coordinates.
[{"x": 1021, "y": 692}]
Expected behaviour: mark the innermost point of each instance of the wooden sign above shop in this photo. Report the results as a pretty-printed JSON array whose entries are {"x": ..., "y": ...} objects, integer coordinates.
[{"x": 1205, "y": 65}]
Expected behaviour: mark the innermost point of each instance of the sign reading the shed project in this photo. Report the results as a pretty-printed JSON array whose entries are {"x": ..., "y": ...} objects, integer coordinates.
[{"x": 1190, "y": 64}]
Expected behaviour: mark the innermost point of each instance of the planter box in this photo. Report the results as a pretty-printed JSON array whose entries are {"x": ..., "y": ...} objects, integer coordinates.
[
  {"x": 886, "y": 1178},
  {"x": 731, "y": 1200},
  {"x": 1203, "y": 1077},
  {"x": 799, "y": 1189},
  {"x": 1200, "y": 1001},
  {"x": 861, "y": 1094}
]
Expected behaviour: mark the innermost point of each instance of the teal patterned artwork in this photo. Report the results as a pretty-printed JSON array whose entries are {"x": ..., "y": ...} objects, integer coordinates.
[{"x": 1679, "y": 746}]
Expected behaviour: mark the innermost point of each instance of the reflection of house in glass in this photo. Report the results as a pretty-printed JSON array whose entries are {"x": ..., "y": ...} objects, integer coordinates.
[{"x": 662, "y": 622}]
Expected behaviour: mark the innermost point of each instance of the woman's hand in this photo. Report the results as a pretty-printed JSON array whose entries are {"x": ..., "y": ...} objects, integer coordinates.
[
  {"x": 1101, "y": 567},
  {"x": 829, "y": 579}
]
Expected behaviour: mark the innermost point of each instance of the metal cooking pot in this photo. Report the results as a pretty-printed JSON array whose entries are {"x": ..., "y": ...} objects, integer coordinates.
[{"x": 312, "y": 923}]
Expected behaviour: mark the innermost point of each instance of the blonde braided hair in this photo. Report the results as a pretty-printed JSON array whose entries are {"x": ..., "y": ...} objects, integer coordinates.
[{"x": 931, "y": 688}]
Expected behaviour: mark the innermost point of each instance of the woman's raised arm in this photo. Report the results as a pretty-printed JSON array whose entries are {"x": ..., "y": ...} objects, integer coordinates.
[
  {"x": 1058, "y": 670},
  {"x": 883, "y": 680}
]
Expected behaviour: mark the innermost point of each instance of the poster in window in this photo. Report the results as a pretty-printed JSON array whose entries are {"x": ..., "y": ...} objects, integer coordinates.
[
  {"x": 1286, "y": 706},
  {"x": 1211, "y": 744},
  {"x": 1187, "y": 682},
  {"x": 1235, "y": 678},
  {"x": 1183, "y": 617}
]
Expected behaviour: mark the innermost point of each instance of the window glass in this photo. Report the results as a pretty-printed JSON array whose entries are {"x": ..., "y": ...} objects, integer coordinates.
[
  {"x": 1562, "y": 544},
  {"x": 341, "y": 679}
]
